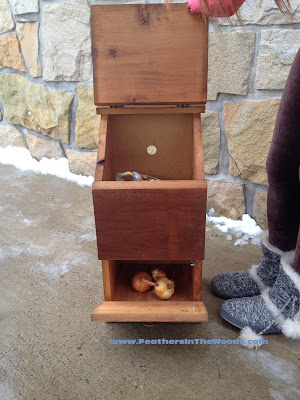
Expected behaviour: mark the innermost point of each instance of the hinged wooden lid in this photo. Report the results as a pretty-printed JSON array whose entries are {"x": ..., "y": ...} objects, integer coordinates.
[{"x": 148, "y": 54}]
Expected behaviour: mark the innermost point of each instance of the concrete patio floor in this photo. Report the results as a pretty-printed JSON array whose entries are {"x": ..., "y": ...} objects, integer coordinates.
[{"x": 50, "y": 281}]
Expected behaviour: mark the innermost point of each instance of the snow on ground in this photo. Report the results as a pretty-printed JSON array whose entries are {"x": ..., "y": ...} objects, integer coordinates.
[
  {"x": 243, "y": 231},
  {"x": 21, "y": 158}
]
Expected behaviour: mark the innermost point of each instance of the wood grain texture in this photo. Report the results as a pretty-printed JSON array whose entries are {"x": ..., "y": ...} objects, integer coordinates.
[
  {"x": 198, "y": 174},
  {"x": 150, "y": 220},
  {"x": 148, "y": 54},
  {"x": 101, "y": 148},
  {"x": 198, "y": 157},
  {"x": 162, "y": 311},
  {"x": 171, "y": 134},
  {"x": 197, "y": 280},
  {"x": 109, "y": 272},
  {"x": 150, "y": 110}
]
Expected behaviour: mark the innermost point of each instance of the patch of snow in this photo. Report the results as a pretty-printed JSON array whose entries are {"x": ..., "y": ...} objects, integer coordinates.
[
  {"x": 11, "y": 252},
  {"x": 27, "y": 222},
  {"x": 15, "y": 251},
  {"x": 89, "y": 237},
  {"x": 242, "y": 241},
  {"x": 6, "y": 392},
  {"x": 282, "y": 375},
  {"x": 21, "y": 158},
  {"x": 39, "y": 251},
  {"x": 245, "y": 230},
  {"x": 55, "y": 270},
  {"x": 61, "y": 265},
  {"x": 276, "y": 395},
  {"x": 67, "y": 205}
]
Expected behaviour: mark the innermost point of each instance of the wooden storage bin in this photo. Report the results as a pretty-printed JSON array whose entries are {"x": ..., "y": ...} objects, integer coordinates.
[
  {"x": 157, "y": 222},
  {"x": 123, "y": 304},
  {"x": 151, "y": 220}
]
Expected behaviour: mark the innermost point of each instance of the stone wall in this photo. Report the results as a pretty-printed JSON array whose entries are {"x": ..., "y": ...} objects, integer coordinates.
[{"x": 46, "y": 92}]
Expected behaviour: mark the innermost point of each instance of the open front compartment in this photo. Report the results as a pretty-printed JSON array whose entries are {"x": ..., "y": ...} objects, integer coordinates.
[
  {"x": 151, "y": 220},
  {"x": 131, "y": 138},
  {"x": 124, "y": 304},
  {"x": 117, "y": 278}
]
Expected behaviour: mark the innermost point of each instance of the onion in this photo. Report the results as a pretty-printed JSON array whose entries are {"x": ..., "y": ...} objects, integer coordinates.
[
  {"x": 164, "y": 288},
  {"x": 142, "y": 282},
  {"x": 157, "y": 273}
]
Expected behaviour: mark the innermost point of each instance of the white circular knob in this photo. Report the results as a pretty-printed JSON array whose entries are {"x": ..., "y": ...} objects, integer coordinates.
[{"x": 151, "y": 150}]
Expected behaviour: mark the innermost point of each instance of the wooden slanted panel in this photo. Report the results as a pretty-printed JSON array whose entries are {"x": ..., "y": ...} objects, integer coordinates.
[
  {"x": 148, "y": 54},
  {"x": 162, "y": 220}
]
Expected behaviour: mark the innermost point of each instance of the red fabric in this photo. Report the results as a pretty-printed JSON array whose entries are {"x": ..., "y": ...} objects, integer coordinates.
[{"x": 215, "y": 8}]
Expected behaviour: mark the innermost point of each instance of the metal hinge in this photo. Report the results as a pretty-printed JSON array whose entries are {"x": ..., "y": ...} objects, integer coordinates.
[
  {"x": 117, "y": 106},
  {"x": 183, "y": 105}
]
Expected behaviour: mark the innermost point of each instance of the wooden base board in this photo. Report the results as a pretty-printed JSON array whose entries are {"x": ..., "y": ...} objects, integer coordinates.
[{"x": 156, "y": 311}]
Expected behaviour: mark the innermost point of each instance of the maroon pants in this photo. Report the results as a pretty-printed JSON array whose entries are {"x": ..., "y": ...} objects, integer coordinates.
[{"x": 283, "y": 170}]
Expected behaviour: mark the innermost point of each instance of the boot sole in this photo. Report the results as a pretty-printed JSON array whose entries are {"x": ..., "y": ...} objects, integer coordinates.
[{"x": 239, "y": 324}]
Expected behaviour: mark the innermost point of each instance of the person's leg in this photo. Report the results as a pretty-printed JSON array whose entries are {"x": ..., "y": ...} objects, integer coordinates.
[
  {"x": 296, "y": 262},
  {"x": 283, "y": 200},
  {"x": 277, "y": 309},
  {"x": 260, "y": 276},
  {"x": 283, "y": 207}
]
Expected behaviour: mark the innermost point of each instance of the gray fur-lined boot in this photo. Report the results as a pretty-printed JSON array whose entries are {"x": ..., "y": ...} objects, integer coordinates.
[
  {"x": 229, "y": 285},
  {"x": 275, "y": 310}
]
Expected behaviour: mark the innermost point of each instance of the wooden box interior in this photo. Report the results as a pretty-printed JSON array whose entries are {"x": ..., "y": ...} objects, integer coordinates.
[
  {"x": 130, "y": 136},
  {"x": 181, "y": 272}
]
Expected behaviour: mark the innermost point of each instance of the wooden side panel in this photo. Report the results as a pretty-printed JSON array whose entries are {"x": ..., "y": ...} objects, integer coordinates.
[
  {"x": 109, "y": 171},
  {"x": 109, "y": 272},
  {"x": 197, "y": 280},
  {"x": 158, "y": 311},
  {"x": 148, "y": 54},
  {"x": 198, "y": 157},
  {"x": 101, "y": 148},
  {"x": 198, "y": 174},
  {"x": 150, "y": 220},
  {"x": 104, "y": 167}
]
